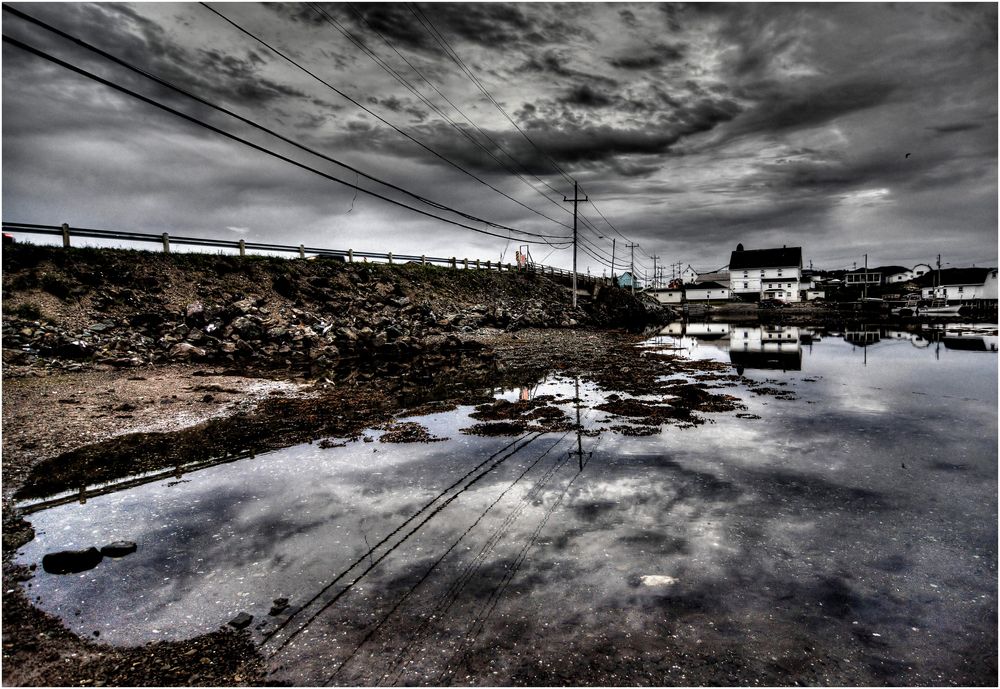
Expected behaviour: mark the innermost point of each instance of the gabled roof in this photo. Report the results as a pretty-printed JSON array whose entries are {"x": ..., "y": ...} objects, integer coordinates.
[
  {"x": 955, "y": 276},
  {"x": 883, "y": 270},
  {"x": 705, "y": 285},
  {"x": 766, "y": 258}
]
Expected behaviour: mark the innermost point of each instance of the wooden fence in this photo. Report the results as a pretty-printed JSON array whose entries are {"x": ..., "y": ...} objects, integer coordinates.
[{"x": 302, "y": 251}]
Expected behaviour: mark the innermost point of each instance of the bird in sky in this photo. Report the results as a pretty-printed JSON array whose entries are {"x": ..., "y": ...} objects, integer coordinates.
[{"x": 907, "y": 155}]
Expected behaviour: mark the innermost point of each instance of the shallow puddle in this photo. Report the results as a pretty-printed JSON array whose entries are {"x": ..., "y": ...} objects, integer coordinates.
[{"x": 842, "y": 526}]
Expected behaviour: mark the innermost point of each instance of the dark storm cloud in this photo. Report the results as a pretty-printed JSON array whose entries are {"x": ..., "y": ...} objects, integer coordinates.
[
  {"x": 956, "y": 127},
  {"x": 586, "y": 96},
  {"x": 776, "y": 108},
  {"x": 209, "y": 72},
  {"x": 494, "y": 24},
  {"x": 551, "y": 63},
  {"x": 656, "y": 56}
]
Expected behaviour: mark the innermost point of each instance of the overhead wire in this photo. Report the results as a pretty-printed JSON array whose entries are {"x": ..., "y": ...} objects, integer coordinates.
[
  {"x": 118, "y": 87},
  {"x": 138, "y": 70},
  {"x": 371, "y": 112},
  {"x": 449, "y": 51},
  {"x": 416, "y": 92}
]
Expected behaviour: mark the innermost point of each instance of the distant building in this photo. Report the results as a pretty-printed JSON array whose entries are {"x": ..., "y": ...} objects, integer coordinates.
[
  {"x": 706, "y": 291},
  {"x": 956, "y": 285},
  {"x": 721, "y": 276},
  {"x": 667, "y": 295},
  {"x": 689, "y": 275},
  {"x": 756, "y": 274},
  {"x": 627, "y": 281}
]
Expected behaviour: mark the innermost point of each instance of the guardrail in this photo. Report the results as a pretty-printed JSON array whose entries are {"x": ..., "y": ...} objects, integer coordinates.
[{"x": 350, "y": 256}]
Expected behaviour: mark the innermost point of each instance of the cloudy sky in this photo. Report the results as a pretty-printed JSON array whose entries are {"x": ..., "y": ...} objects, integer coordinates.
[{"x": 843, "y": 128}]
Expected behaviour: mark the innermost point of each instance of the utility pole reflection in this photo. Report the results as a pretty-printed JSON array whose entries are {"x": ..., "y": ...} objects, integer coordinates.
[{"x": 579, "y": 427}]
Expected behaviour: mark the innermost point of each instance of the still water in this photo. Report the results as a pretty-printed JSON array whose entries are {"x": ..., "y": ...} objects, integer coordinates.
[{"x": 841, "y": 529}]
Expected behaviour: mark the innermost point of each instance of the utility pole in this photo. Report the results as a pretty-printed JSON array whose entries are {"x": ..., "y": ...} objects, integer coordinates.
[
  {"x": 866, "y": 278},
  {"x": 654, "y": 270},
  {"x": 934, "y": 291},
  {"x": 632, "y": 246},
  {"x": 576, "y": 199},
  {"x": 613, "y": 260}
]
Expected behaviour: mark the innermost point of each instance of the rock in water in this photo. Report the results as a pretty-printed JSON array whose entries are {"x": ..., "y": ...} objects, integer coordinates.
[
  {"x": 241, "y": 621},
  {"x": 71, "y": 561},
  {"x": 279, "y": 606},
  {"x": 118, "y": 549}
]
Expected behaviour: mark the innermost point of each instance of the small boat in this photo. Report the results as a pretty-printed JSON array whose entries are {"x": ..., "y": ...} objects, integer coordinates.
[
  {"x": 939, "y": 307},
  {"x": 909, "y": 308}
]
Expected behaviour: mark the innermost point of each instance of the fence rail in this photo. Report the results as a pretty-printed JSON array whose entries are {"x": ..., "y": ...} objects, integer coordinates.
[{"x": 167, "y": 240}]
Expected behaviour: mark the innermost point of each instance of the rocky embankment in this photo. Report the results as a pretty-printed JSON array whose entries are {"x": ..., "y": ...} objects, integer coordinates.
[{"x": 69, "y": 309}]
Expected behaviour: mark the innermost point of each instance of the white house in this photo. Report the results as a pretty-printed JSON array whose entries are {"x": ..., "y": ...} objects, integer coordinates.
[
  {"x": 665, "y": 295},
  {"x": 963, "y": 284},
  {"x": 766, "y": 273},
  {"x": 765, "y": 347},
  {"x": 706, "y": 291},
  {"x": 689, "y": 275}
]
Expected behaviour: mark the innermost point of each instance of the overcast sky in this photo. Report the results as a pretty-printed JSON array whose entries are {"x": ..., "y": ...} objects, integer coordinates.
[{"x": 841, "y": 128}]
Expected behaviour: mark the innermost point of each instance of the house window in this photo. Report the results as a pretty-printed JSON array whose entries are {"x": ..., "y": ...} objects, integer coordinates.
[
  {"x": 745, "y": 285},
  {"x": 960, "y": 289},
  {"x": 779, "y": 272},
  {"x": 762, "y": 273},
  {"x": 746, "y": 274}
]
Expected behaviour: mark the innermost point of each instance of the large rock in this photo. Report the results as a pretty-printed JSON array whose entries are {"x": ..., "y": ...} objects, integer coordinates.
[
  {"x": 183, "y": 350},
  {"x": 241, "y": 621},
  {"x": 71, "y": 561},
  {"x": 118, "y": 549}
]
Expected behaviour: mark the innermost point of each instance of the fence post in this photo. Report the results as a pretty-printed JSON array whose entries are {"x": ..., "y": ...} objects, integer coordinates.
[
  {"x": 166, "y": 242},
  {"x": 302, "y": 250},
  {"x": 423, "y": 260},
  {"x": 350, "y": 255},
  {"x": 243, "y": 248},
  {"x": 477, "y": 264},
  {"x": 454, "y": 263},
  {"x": 489, "y": 265},
  {"x": 65, "y": 235},
  {"x": 390, "y": 258},
  {"x": 465, "y": 263}
]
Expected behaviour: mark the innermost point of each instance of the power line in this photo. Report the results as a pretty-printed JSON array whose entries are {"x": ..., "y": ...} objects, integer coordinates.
[
  {"x": 409, "y": 86},
  {"x": 212, "y": 128},
  {"x": 453, "y": 54},
  {"x": 450, "y": 52},
  {"x": 258, "y": 126},
  {"x": 371, "y": 112}
]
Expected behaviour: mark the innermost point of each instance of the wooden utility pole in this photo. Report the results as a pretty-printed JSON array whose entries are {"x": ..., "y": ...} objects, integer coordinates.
[
  {"x": 631, "y": 268},
  {"x": 576, "y": 199},
  {"x": 654, "y": 270},
  {"x": 866, "y": 278},
  {"x": 613, "y": 260}
]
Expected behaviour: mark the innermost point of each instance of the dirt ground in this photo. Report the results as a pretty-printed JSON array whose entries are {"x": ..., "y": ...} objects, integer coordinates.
[{"x": 60, "y": 431}]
